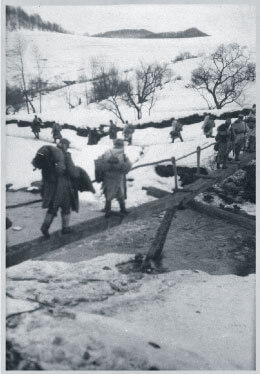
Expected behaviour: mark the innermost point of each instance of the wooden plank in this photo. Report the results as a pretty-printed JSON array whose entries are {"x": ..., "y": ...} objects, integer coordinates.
[
  {"x": 230, "y": 217},
  {"x": 175, "y": 174},
  {"x": 206, "y": 176},
  {"x": 23, "y": 204}
]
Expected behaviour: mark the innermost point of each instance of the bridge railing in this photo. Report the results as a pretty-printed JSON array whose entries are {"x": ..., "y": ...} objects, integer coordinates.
[{"x": 174, "y": 160}]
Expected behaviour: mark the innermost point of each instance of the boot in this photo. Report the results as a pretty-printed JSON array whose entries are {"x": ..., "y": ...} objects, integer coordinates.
[
  {"x": 122, "y": 206},
  {"x": 218, "y": 165},
  {"x": 236, "y": 158},
  {"x": 46, "y": 225},
  {"x": 65, "y": 224},
  {"x": 108, "y": 208}
]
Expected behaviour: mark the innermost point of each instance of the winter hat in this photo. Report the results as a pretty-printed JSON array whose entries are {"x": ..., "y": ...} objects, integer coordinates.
[
  {"x": 65, "y": 142},
  {"x": 118, "y": 143}
]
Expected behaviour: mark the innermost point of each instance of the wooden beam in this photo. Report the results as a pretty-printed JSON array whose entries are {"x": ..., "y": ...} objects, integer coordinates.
[
  {"x": 160, "y": 237},
  {"x": 213, "y": 211}
]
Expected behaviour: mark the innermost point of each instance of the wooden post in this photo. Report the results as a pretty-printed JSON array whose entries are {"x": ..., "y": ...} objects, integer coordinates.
[
  {"x": 198, "y": 160},
  {"x": 160, "y": 238},
  {"x": 175, "y": 173}
]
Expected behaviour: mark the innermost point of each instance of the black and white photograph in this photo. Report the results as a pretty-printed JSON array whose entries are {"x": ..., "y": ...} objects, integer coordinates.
[{"x": 129, "y": 179}]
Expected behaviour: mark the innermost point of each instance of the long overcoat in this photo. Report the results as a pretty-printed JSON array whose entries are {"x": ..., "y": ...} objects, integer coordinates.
[
  {"x": 58, "y": 186},
  {"x": 116, "y": 166}
]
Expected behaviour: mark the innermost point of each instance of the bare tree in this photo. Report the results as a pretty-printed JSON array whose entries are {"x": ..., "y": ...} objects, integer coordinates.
[
  {"x": 108, "y": 88},
  {"x": 19, "y": 65},
  {"x": 38, "y": 83},
  {"x": 222, "y": 77},
  {"x": 147, "y": 81},
  {"x": 68, "y": 97}
]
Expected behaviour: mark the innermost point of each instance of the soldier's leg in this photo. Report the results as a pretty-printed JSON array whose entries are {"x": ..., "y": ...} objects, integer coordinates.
[
  {"x": 108, "y": 208},
  {"x": 180, "y": 137},
  {"x": 224, "y": 164},
  {"x": 237, "y": 151},
  {"x": 121, "y": 202},
  {"x": 65, "y": 220},
  {"x": 47, "y": 223}
]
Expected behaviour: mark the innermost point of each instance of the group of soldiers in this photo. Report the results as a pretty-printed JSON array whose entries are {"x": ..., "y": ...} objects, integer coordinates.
[
  {"x": 128, "y": 131},
  {"x": 236, "y": 137},
  {"x": 61, "y": 185},
  {"x": 94, "y": 134},
  {"x": 62, "y": 179},
  {"x": 36, "y": 128}
]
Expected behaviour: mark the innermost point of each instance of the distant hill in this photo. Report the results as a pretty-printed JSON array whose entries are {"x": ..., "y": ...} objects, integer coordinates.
[
  {"x": 17, "y": 18},
  {"x": 146, "y": 34}
]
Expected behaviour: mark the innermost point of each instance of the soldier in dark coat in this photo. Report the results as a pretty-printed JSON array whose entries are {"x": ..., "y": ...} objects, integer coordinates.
[
  {"x": 36, "y": 126},
  {"x": 56, "y": 131},
  {"x": 112, "y": 130},
  {"x": 58, "y": 190},
  {"x": 223, "y": 143},
  {"x": 251, "y": 123}
]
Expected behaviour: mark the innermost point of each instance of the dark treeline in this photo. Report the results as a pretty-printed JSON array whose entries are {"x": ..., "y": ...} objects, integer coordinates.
[{"x": 17, "y": 18}]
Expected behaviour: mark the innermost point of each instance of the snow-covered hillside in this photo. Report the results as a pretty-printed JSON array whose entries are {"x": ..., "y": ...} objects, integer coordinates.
[{"x": 69, "y": 57}]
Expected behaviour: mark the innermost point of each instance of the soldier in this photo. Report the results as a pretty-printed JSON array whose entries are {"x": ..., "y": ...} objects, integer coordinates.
[
  {"x": 56, "y": 131},
  {"x": 176, "y": 130},
  {"x": 128, "y": 132},
  {"x": 223, "y": 143},
  {"x": 208, "y": 126},
  {"x": 112, "y": 130},
  {"x": 251, "y": 123},
  {"x": 58, "y": 191},
  {"x": 36, "y": 126},
  {"x": 239, "y": 130},
  {"x": 115, "y": 165}
]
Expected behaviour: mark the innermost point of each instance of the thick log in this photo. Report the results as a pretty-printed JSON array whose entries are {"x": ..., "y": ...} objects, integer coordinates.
[
  {"x": 156, "y": 248},
  {"x": 237, "y": 218}
]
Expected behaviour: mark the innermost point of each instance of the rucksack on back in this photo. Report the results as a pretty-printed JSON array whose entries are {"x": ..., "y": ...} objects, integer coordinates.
[{"x": 43, "y": 159}]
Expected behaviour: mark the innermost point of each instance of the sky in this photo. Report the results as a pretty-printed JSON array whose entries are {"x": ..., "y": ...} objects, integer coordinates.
[{"x": 212, "y": 19}]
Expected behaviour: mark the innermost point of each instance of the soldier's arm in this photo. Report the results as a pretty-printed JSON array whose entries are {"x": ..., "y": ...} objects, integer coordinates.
[{"x": 71, "y": 168}]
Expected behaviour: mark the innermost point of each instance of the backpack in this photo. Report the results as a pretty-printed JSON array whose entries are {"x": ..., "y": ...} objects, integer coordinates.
[{"x": 44, "y": 159}]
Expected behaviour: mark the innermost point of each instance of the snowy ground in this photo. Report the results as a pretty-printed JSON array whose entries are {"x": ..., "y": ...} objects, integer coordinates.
[{"x": 159, "y": 321}]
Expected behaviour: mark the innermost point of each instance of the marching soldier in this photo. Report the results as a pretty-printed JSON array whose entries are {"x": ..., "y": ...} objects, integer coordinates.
[
  {"x": 239, "y": 130},
  {"x": 114, "y": 165}
]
